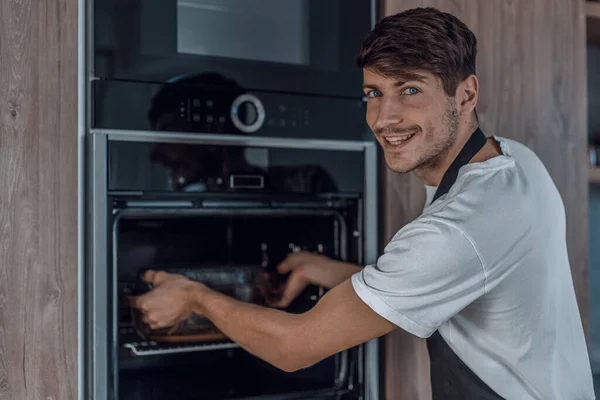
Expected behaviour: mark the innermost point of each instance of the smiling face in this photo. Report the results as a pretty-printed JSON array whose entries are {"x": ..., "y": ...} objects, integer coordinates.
[{"x": 412, "y": 117}]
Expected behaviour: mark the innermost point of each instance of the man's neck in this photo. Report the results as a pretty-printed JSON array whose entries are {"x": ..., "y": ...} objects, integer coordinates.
[{"x": 434, "y": 171}]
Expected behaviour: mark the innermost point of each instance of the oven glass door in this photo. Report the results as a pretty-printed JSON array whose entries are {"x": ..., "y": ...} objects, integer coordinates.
[
  {"x": 225, "y": 247},
  {"x": 303, "y": 46}
]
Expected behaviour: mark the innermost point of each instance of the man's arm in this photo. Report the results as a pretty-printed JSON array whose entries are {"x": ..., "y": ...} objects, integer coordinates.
[
  {"x": 340, "y": 320},
  {"x": 308, "y": 268}
]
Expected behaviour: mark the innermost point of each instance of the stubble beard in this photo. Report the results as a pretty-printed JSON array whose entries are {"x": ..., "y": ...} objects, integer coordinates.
[{"x": 439, "y": 144}]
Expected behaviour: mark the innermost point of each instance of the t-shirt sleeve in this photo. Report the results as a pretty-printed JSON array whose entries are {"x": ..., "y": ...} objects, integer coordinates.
[{"x": 428, "y": 273}]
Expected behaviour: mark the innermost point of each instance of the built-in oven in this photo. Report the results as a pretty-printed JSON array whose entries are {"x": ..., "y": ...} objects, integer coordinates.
[
  {"x": 224, "y": 210},
  {"x": 297, "y": 46},
  {"x": 224, "y": 135}
]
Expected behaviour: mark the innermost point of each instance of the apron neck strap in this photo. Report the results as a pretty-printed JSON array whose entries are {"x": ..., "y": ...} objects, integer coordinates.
[{"x": 472, "y": 147}]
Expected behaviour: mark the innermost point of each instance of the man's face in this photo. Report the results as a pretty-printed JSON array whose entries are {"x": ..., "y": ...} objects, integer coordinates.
[{"x": 412, "y": 118}]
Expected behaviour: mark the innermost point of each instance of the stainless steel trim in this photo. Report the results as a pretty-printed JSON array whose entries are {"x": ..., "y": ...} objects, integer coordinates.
[
  {"x": 90, "y": 41},
  {"x": 343, "y": 254},
  {"x": 370, "y": 204},
  {"x": 125, "y": 193},
  {"x": 371, "y": 250},
  {"x": 97, "y": 283},
  {"x": 155, "y": 204},
  {"x": 233, "y": 203},
  {"x": 360, "y": 232},
  {"x": 374, "y": 13},
  {"x": 182, "y": 349},
  {"x": 166, "y": 212},
  {"x": 82, "y": 103},
  {"x": 230, "y": 140}
]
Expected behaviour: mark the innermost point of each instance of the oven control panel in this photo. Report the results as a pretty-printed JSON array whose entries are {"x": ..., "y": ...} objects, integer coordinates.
[{"x": 131, "y": 105}]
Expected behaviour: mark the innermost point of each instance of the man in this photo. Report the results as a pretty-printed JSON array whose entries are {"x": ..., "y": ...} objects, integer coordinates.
[{"x": 483, "y": 273}]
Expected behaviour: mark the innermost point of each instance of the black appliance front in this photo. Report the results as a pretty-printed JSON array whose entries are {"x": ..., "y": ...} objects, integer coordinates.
[
  {"x": 299, "y": 46},
  {"x": 226, "y": 215},
  {"x": 230, "y": 246},
  {"x": 216, "y": 104}
]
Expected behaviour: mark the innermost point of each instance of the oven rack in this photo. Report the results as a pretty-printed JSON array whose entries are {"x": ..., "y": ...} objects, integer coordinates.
[{"x": 151, "y": 348}]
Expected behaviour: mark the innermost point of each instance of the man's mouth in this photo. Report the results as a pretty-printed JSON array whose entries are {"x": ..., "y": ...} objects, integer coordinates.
[{"x": 398, "y": 140}]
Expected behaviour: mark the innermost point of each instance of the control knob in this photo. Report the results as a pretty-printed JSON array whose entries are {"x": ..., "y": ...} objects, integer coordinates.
[{"x": 247, "y": 113}]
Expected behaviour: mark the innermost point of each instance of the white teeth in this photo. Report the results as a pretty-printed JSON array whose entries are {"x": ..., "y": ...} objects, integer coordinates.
[{"x": 398, "y": 139}]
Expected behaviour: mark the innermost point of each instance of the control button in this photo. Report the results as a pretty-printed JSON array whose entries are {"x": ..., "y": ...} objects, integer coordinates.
[
  {"x": 196, "y": 117},
  {"x": 282, "y": 123},
  {"x": 209, "y": 103},
  {"x": 271, "y": 122},
  {"x": 210, "y": 119},
  {"x": 247, "y": 113},
  {"x": 196, "y": 102},
  {"x": 281, "y": 108},
  {"x": 294, "y": 124},
  {"x": 222, "y": 119},
  {"x": 182, "y": 109}
]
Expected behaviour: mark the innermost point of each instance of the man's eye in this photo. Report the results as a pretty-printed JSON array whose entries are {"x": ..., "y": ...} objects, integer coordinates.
[
  {"x": 373, "y": 93},
  {"x": 410, "y": 90}
]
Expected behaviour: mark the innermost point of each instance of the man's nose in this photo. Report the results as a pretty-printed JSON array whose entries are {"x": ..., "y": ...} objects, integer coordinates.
[{"x": 389, "y": 114}]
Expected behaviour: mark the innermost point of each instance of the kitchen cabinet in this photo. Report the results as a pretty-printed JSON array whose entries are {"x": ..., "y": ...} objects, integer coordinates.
[{"x": 38, "y": 200}]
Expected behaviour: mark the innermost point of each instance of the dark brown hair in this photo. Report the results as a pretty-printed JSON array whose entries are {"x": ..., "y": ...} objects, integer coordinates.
[{"x": 421, "y": 38}]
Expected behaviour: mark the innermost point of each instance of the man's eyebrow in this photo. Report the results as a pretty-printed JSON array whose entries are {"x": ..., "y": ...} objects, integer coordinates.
[
  {"x": 409, "y": 76},
  {"x": 401, "y": 80},
  {"x": 370, "y": 86}
]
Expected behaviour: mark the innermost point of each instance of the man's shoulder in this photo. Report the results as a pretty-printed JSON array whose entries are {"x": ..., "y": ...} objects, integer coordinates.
[
  {"x": 435, "y": 230},
  {"x": 516, "y": 149}
]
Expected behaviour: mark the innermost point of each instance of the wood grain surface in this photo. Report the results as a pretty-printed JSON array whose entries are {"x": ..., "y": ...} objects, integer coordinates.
[
  {"x": 38, "y": 199},
  {"x": 532, "y": 73}
]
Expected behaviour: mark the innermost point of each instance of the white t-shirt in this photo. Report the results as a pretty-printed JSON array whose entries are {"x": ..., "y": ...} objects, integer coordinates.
[{"x": 486, "y": 264}]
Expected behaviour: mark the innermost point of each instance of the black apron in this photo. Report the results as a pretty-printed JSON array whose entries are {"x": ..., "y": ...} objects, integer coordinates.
[{"x": 451, "y": 379}]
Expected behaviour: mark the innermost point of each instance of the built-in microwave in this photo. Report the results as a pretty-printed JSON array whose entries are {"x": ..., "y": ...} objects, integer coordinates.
[
  {"x": 265, "y": 68},
  {"x": 297, "y": 46}
]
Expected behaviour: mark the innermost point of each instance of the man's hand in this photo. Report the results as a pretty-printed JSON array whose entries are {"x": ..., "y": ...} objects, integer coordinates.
[
  {"x": 309, "y": 268},
  {"x": 171, "y": 301}
]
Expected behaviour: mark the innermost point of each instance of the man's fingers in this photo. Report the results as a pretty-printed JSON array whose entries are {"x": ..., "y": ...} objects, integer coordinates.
[
  {"x": 155, "y": 278},
  {"x": 148, "y": 319},
  {"x": 285, "y": 266},
  {"x": 293, "y": 287},
  {"x": 290, "y": 262},
  {"x": 148, "y": 276}
]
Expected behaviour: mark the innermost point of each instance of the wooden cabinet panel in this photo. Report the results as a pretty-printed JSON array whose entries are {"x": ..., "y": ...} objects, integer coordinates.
[
  {"x": 532, "y": 73},
  {"x": 38, "y": 199}
]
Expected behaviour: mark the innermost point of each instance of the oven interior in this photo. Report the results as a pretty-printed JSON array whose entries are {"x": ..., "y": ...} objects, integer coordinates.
[{"x": 229, "y": 245}]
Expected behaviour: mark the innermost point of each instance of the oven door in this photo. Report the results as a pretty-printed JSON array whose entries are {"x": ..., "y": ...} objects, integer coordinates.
[
  {"x": 302, "y": 46},
  {"x": 223, "y": 246}
]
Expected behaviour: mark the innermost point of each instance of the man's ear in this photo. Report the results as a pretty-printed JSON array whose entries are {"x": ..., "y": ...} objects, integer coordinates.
[{"x": 467, "y": 94}]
